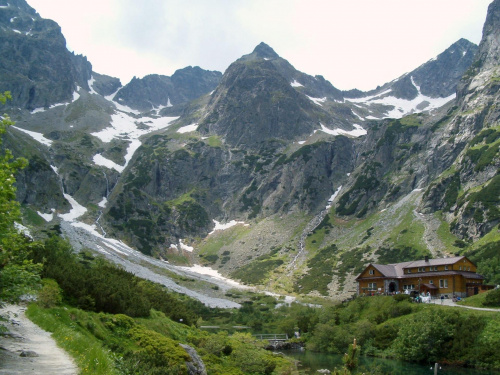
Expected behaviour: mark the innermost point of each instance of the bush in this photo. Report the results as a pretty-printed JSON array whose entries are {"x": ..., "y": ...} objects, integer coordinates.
[
  {"x": 493, "y": 298},
  {"x": 50, "y": 295},
  {"x": 402, "y": 297},
  {"x": 424, "y": 336}
]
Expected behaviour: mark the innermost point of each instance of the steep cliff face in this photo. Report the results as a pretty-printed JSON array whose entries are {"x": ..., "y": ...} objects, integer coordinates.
[
  {"x": 469, "y": 190},
  {"x": 154, "y": 91},
  {"x": 35, "y": 65},
  {"x": 173, "y": 193}
]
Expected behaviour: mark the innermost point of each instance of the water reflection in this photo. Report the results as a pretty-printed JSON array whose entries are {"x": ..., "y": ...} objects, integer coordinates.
[{"x": 311, "y": 362}]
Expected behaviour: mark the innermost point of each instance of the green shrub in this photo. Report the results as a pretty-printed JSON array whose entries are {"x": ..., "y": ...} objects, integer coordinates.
[
  {"x": 493, "y": 298},
  {"x": 50, "y": 295},
  {"x": 423, "y": 337},
  {"x": 402, "y": 297}
]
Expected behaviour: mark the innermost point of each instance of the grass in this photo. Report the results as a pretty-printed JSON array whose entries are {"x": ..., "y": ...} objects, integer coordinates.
[
  {"x": 89, "y": 354},
  {"x": 490, "y": 237},
  {"x": 214, "y": 141},
  {"x": 31, "y": 217},
  {"x": 213, "y": 243},
  {"x": 444, "y": 234},
  {"x": 181, "y": 199},
  {"x": 409, "y": 232},
  {"x": 474, "y": 301}
]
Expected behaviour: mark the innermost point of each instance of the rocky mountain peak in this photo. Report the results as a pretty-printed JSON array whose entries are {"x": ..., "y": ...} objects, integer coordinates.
[
  {"x": 264, "y": 51},
  {"x": 156, "y": 90},
  {"x": 489, "y": 48},
  {"x": 37, "y": 68},
  {"x": 484, "y": 70}
]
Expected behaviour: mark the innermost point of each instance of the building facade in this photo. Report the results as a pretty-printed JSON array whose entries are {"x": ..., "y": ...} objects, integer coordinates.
[{"x": 454, "y": 276}]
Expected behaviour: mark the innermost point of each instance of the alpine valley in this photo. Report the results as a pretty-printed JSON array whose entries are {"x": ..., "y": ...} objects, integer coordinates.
[{"x": 264, "y": 173}]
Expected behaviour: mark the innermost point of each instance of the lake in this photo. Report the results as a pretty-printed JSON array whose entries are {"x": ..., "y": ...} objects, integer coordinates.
[{"x": 310, "y": 362}]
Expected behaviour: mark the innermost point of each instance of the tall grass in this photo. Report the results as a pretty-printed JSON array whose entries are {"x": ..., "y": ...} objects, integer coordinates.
[{"x": 89, "y": 354}]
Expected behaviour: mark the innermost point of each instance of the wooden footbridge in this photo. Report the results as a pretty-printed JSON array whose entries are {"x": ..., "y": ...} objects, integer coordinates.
[{"x": 272, "y": 337}]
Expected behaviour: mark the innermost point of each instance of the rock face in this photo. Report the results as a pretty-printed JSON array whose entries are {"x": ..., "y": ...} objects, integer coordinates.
[
  {"x": 35, "y": 65},
  {"x": 156, "y": 90},
  {"x": 470, "y": 194},
  {"x": 105, "y": 85},
  {"x": 196, "y": 365},
  {"x": 256, "y": 103}
]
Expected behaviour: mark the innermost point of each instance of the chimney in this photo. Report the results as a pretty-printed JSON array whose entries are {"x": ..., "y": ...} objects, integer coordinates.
[{"x": 426, "y": 258}]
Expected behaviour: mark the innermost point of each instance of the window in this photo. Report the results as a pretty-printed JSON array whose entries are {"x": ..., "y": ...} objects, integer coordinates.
[
  {"x": 371, "y": 272},
  {"x": 431, "y": 281},
  {"x": 443, "y": 283},
  {"x": 460, "y": 268},
  {"x": 435, "y": 268},
  {"x": 421, "y": 269},
  {"x": 372, "y": 286},
  {"x": 446, "y": 268},
  {"x": 409, "y": 287},
  {"x": 468, "y": 268},
  {"x": 409, "y": 270}
]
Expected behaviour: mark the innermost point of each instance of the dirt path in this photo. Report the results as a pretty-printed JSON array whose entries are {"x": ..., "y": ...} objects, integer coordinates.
[
  {"x": 44, "y": 356},
  {"x": 450, "y": 302}
]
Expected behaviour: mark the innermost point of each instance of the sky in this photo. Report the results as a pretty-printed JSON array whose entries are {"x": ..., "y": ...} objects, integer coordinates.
[{"x": 352, "y": 43}]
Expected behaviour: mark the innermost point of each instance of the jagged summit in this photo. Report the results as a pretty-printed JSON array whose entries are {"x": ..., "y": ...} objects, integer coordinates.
[
  {"x": 264, "y": 51},
  {"x": 489, "y": 48},
  {"x": 37, "y": 68},
  {"x": 156, "y": 90}
]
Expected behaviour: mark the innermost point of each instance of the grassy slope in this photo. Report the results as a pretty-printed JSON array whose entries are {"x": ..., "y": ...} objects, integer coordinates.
[{"x": 114, "y": 344}]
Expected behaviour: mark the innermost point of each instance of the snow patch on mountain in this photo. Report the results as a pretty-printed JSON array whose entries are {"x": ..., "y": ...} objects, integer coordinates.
[
  {"x": 185, "y": 247},
  {"x": 36, "y": 136},
  {"x": 357, "y": 132},
  {"x": 220, "y": 226},
  {"x": 76, "y": 211},
  {"x": 358, "y": 116},
  {"x": 403, "y": 107},
  {"x": 296, "y": 84},
  {"x": 317, "y": 101},
  {"x": 103, "y": 162},
  {"x": 103, "y": 202},
  {"x": 130, "y": 129},
  {"x": 47, "y": 217},
  {"x": 188, "y": 128},
  {"x": 213, "y": 274},
  {"x": 76, "y": 96},
  {"x": 332, "y": 198},
  {"x": 91, "y": 85},
  {"x": 127, "y": 127}
]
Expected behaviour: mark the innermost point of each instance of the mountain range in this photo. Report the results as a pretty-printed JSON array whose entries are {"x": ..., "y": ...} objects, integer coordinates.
[{"x": 265, "y": 173}]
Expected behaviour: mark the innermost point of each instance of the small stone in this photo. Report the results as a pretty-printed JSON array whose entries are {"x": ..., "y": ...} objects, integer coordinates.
[{"x": 28, "y": 353}]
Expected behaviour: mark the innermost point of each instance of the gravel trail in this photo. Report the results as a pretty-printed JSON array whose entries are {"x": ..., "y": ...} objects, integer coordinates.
[{"x": 25, "y": 337}]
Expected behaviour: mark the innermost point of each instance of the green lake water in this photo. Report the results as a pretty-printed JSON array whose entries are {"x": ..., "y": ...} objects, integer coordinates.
[{"x": 310, "y": 362}]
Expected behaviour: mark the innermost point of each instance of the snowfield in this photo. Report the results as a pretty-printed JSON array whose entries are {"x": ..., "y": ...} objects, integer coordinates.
[
  {"x": 357, "y": 132},
  {"x": 130, "y": 129},
  {"x": 403, "y": 107},
  {"x": 36, "y": 136}
]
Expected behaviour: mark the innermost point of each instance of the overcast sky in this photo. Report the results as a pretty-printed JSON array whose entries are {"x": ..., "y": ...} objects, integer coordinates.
[{"x": 352, "y": 43}]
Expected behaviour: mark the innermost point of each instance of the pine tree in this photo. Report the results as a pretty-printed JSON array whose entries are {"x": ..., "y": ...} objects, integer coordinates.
[{"x": 350, "y": 360}]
